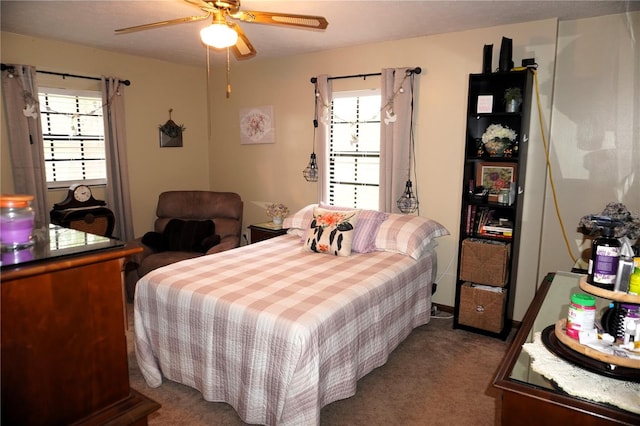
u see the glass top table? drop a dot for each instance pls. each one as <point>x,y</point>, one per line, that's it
<point>56,242</point>
<point>523,387</point>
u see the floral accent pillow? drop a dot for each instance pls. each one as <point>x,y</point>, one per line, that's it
<point>331,231</point>
<point>369,221</point>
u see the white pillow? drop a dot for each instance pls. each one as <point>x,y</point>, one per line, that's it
<point>408,234</point>
<point>300,220</point>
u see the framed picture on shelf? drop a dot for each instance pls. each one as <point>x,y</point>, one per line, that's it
<point>485,104</point>
<point>495,176</point>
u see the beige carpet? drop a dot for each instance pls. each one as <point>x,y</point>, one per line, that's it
<point>437,376</point>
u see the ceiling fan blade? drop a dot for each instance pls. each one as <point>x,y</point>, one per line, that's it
<point>162,24</point>
<point>243,48</point>
<point>286,19</point>
<point>207,7</point>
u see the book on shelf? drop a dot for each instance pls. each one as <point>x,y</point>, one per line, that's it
<point>471,214</point>
<point>483,216</point>
<point>485,224</point>
<point>498,228</point>
<point>481,221</point>
<point>491,231</point>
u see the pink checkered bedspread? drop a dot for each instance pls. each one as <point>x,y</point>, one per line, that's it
<point>274,331</point>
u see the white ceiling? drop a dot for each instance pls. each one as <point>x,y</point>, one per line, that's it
<point>92,23</point>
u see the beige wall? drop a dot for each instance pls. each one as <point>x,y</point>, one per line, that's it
<point>156,87</point>
<point>272,172</point>
<point>595,129</point>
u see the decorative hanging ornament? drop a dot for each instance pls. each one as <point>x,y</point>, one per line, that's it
<point>407,203</point>
<point>30,111</point>
<point>390,117</point>
<point>310,173</point>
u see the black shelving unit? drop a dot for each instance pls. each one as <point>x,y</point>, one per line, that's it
<point>488,262</point>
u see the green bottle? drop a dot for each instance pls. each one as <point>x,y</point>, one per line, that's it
<point>634,282</point>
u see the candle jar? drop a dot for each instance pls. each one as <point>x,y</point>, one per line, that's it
<point>16,222</point>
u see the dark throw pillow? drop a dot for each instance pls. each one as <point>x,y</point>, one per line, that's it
<point>154,240</point>
<point>209,242</point>
<point>187,235</point>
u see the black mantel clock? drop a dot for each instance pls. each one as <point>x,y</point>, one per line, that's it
<point>81,211</point>
<point>79,196</point>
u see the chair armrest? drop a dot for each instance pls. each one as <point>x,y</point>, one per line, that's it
<point>137,258</point>
<point>227,243</point>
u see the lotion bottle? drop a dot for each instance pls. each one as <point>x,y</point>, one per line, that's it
<point>605,252</point>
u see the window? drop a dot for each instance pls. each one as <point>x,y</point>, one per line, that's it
<point>354,149</point>
<point>73,133</point>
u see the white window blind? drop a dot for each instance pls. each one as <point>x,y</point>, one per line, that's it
<point>73,133</point>
<point>354,149</point>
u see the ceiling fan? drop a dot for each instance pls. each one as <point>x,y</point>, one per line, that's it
<point>225,33</point>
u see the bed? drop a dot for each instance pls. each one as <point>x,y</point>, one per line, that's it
<point>278,331</point>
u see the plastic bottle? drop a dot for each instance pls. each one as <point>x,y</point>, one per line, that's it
<point>605,252</point>
<point>582,314</point>
<point>634,282</point>
<point>630,324</point>
<point>625,266</point>
<point>625,311</point>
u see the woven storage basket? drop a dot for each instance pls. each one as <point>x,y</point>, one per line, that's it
<point>484,262</point>
<point>481,308</point>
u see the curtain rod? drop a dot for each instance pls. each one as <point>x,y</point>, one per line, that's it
<point>65,75</point>
<point>416,70</point>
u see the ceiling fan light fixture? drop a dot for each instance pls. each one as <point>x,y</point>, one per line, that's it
<point>219,35</point>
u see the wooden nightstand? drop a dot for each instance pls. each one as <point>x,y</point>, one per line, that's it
<point>264,231</point>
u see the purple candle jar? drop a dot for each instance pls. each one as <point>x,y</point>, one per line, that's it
<point>16,221</point>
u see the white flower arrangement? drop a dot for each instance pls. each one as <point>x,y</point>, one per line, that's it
<point>277,210</point>
<point>496,131</point>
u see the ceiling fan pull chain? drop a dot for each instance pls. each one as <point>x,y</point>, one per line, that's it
<point>228,75</point>
<point>208,94</point>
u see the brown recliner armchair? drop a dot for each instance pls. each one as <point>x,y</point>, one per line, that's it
<point>188,224</point>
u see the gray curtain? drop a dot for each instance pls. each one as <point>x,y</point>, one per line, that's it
<point>118,195</point>
<point>325,96</point>
<point>24,128</point>
<point>395,136</point>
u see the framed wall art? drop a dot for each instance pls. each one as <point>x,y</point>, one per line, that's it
<point>257,125</point>
<point>495,176</point>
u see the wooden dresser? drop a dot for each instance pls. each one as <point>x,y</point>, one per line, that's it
<point>63,343</point>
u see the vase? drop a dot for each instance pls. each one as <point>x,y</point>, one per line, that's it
<point>496,147</point>
<point>277,220</point>
<point>513,105</point>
